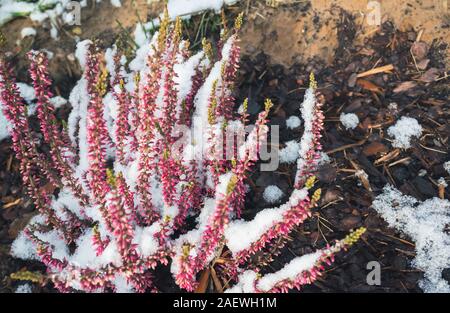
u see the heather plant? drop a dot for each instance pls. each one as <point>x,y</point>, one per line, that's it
<point>130,190</point>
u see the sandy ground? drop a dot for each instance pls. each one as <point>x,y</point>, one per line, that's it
<point>99,21</point>
<point>289,31</point>
<point>292,31</point>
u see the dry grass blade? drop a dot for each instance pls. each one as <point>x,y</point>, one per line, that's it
<point>13,203</point>
<point>368,85</point>
<point>388,157</point>
<point>356,144</point>
<point>382,69</point>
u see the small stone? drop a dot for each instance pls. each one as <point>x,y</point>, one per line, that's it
<point>419,50</point>
<point>352,80</point>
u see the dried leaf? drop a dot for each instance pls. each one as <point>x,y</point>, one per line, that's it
<point>375,148</point>
<point>368,85</point>
<point>217,283</point>
<point>13,203</point>
<point>404,86</point>
<point>204,281</point>
<point>430,76</point>
<point>382,69</point>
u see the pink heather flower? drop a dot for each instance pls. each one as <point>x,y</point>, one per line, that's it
<point>60,151</point>
<point>97,132</point>
<point>126,199</point>
<point>99,243</point>
<point>124,102</point>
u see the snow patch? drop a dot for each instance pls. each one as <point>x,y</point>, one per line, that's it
<point>289,154</point>
<point>272,194</point>
<point>28,31</point>
<point>447,166</point>
<point>289,271</point>
<point>25,288</point>
<point>188,7</point>
<point>425,223</point>
<point>349,120</point>
<point>403,131</point>
<point>293,122</point>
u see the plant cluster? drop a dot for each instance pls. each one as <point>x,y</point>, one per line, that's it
<point>125,196</point>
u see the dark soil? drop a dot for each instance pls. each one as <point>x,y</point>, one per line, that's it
<point>346,202</point>
<point>414,88</point>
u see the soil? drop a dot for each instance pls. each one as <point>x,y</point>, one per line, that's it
<point>283,41</point>
<point>293,31</point>
<point>346,202</point>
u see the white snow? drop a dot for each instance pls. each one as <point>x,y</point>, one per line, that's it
<point>122,285</point>
<point>289,154</point>
<point>272,194</point>
<point>403,131</point>
<point>58,101</point>
<point>141,30</point>
<point>425,223</point>
<point>143,238</point>
<point>9,8</point>
<point>23,248</point>
<point>85,254</point>
<point>349,120</point>
<point>28,31</point>
<point>40,11</point>
<point>245,283</point>
<point>289,271</point>
<point>442,182</point>
<point>116,3</point>
<point>200,116</point>
<point>247,280</point>
<point>4,124</point>
<point>187,7</point>
<point>293,122</point>
<point>447,166</point>
<point>24,288</point>
<point>324,158</point>
<point>183,78</point>
<point>54,33</point>
<point>306,143</point>
<point>241,234</point>
<point>28,94</point>
<point>81,51</point>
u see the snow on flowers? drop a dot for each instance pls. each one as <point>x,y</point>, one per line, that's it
<point>124,187</point>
